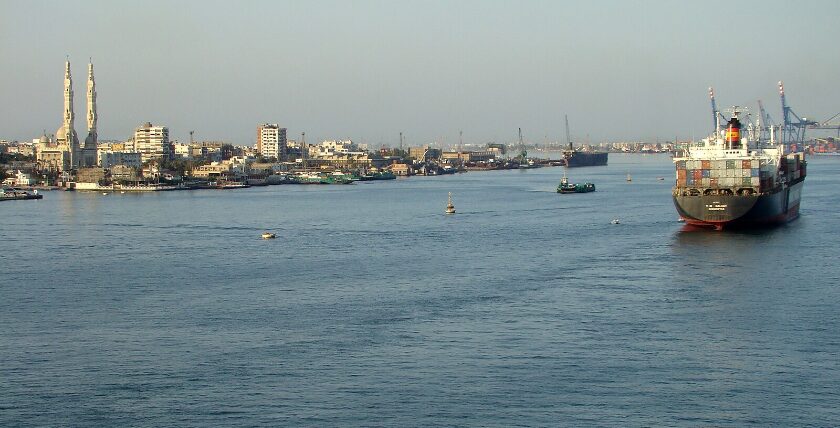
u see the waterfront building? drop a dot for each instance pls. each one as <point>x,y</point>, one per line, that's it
<point>329,148</point>
<point>423,153</point>
<point>90,175</point>
<point>124,173</point>
<point>400,169</point>
<point>181,150</point>
<point>271,141</point>
<point>152,142</point>
<point>20,178</point>
<point>109,158</point>
<point>215,170</point>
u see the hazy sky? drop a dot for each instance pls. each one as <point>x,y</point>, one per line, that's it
<point>366,70</point>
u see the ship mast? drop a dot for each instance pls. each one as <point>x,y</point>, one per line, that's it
<point>568,137</point>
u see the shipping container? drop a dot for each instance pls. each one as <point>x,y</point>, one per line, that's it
<point>746,164</point>
<point>681,174</point>
<point>680,165</point>
<point>706,164</point>
<point>713,182</point>
<point>746,181</point>
<point>745,172</point>
<point>754,172</point>
<point>706,173</point>
<point>730,164</point>
<point>754,181</point>
<point>704,182</point>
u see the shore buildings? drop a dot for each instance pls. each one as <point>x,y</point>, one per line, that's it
<point>152,142</point>
<point>271,141</point>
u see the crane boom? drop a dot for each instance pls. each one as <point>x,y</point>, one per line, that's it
<point>714,109</point>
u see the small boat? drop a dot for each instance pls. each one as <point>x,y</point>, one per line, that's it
<point>629,178</point>
<point>566,187</point>
<point>268,235</point>
<point>450,209</point>
<point>105,193</point>
<point>660,178</point>
<point>615,221</point>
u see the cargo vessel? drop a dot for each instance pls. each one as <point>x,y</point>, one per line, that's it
<point>742,177</point>
<point>576,158</point>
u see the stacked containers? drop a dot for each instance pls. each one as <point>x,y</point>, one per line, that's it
<point>730,173</point>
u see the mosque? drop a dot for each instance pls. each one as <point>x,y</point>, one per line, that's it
<point>66,153</point>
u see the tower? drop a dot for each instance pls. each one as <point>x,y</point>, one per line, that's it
<point>66,135</point>
<point>90,158</point>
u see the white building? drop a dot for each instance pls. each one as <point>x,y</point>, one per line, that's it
<point>152,142</point>
<point>333,147</point>
<point>271,141</point>
<point>181,150</point>
<point>20,179</point>
<point>107,159</point>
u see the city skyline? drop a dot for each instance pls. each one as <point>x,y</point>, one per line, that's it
<point>371,70</point>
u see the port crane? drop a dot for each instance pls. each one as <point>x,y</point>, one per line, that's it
<point>793,130</point>
<point>832,123</point>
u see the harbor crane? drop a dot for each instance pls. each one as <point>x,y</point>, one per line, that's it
<point>794,126</point>
<point>832,123</point>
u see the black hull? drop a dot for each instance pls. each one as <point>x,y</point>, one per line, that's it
<point>734,211</point>
<point>576,159</point>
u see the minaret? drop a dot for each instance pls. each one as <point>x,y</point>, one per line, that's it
<point>90,141</point>
<point>67,133</point>
<point>91,106</point>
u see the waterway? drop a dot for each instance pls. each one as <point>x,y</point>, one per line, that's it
<point>374,308</point>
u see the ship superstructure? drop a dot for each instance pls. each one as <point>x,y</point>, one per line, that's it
<point>742,176</point>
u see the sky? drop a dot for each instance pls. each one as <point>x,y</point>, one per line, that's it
<point>368,70</point>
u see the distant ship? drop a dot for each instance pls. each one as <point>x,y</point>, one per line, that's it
<point>576,158</point>
<point>734,179</point>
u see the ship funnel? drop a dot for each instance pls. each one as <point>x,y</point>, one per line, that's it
<point>733,134</point>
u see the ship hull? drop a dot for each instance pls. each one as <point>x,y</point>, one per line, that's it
<point>577,159</point>
<point>733,211</point>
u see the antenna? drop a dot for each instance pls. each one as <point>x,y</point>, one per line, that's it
<point>401,142</point>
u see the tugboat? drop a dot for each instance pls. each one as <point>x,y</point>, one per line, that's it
<point>566,187</point>
<point>731,180</point>
<point>450,209</point>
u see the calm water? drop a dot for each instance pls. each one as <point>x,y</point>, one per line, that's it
<point>373,308</point>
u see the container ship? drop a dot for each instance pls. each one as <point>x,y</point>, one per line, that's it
<point>741,177</point>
